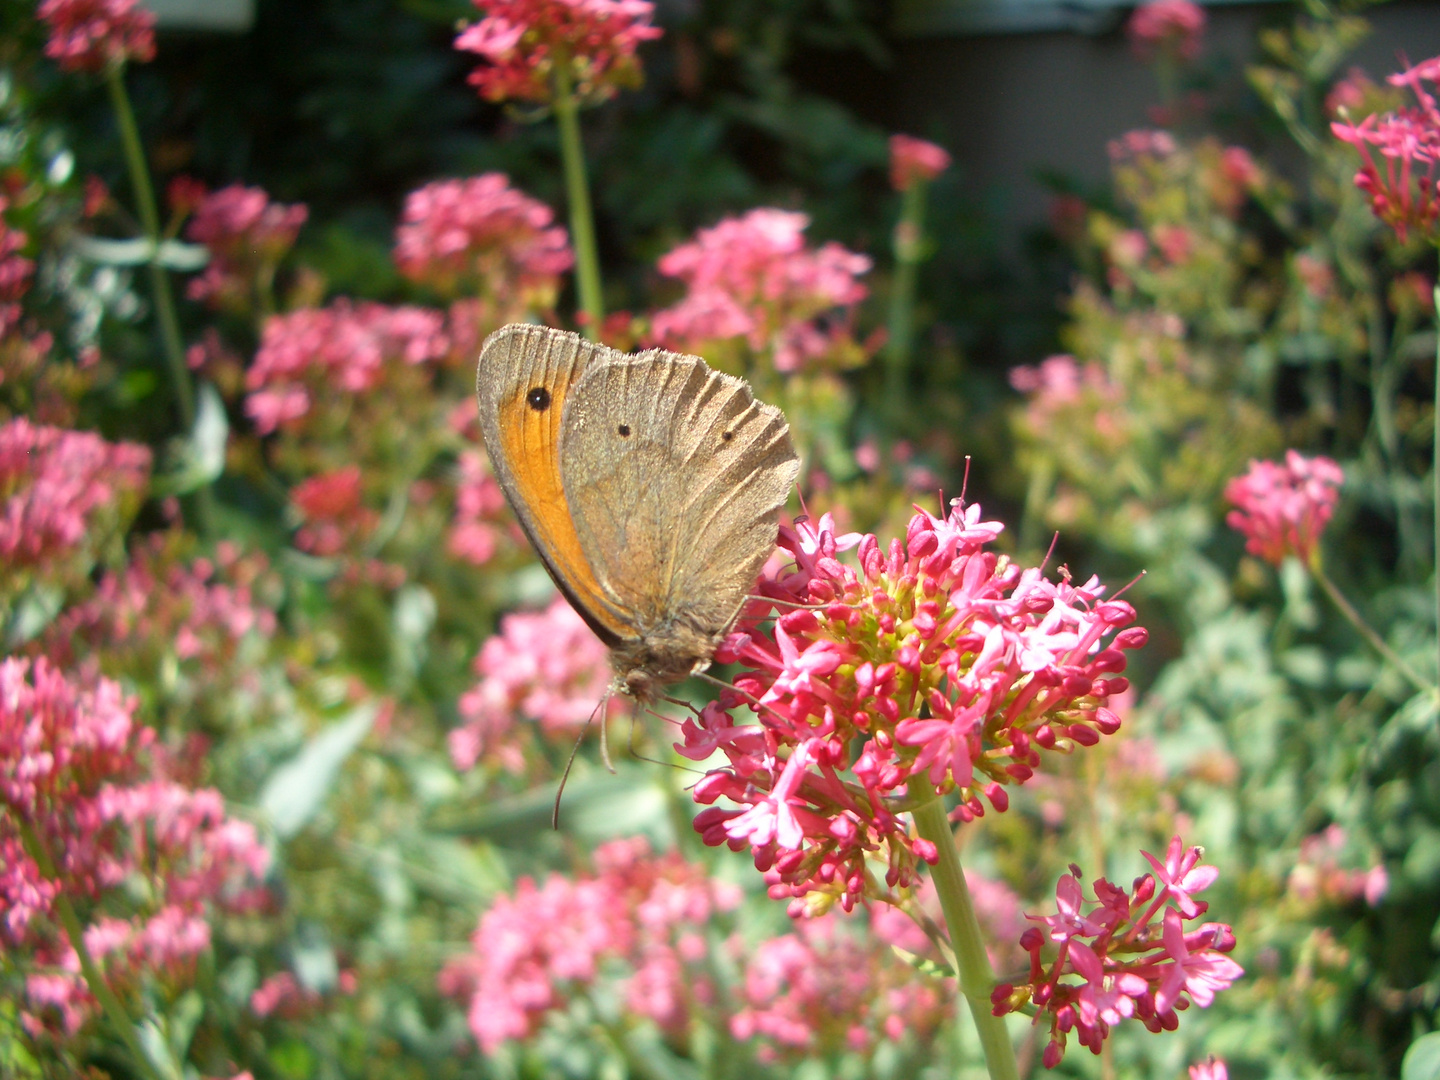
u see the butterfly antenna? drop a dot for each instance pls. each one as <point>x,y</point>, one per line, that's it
<point>676,701</point>
<point>570,761</point>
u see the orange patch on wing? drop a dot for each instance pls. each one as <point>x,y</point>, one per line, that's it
<point>531,445</point>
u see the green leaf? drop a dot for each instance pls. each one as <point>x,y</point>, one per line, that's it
<point>1422,1060</point>
<point>297,789</point>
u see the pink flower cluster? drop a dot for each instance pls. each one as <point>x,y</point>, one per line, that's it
<point>197,610</point>
<point>15,271</point>
<point>1283,509</point>
<point>91,35</point>
<point>546,665</point>
<point>1167,26</point>
<point>937,667</point>
<point>545,943</point>
<point>482,519</point>
<point>1141,143</point>
<point>481,235</point>
<point>826,987</point>
<point>82,818</point>
<point>522,41</point>
<point>1318,876</point>
<point>247,236</point>
<point>914,161</point>
<point>1059,383</point>
<point>57,486</point>
<point>1407,195</point>
<point>1125,969</point>
<point>752,277</point>
<point>341,349</point>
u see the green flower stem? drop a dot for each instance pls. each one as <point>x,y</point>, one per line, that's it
<point>974,976</point>
<point>582,220</point>
<point>150,222</point>
<point>1377,643</point>
<point>114,1011</point>
<point>909,236</point>
<point>1435,299</point>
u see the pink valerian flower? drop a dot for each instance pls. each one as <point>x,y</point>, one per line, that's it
<point>521,41</point>
<point>1212,1068</point>
<point>752,277</point>
<point>540,946</point>
<point>91,35</point>
<point>825,988</point>
<point>334,515</point>
<point>1317,876</point>
<point>73,780</point>
<point>1126,966</point>
<point>482,236</point>
<point>247,236</point>
<point>1060,385</point>
<point>915,161</point>
<point>482,523</point>
<point>1283,509</point>
<point>15,272</point>
<point>937,667</point>
<point>1407,194</point>
<point>1167,26</point>
<point>548,666</point>
<point>282,994</point>
<point>325,354</point>
<point>1141,143</point>
<point>60,490</point>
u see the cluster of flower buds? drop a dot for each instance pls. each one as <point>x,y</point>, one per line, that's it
<point>1129,956</point>
<point>937,667</point>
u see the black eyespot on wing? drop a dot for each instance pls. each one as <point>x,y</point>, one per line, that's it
<point>624,430</point>
<point>538,399</point>
<point>727,435</point>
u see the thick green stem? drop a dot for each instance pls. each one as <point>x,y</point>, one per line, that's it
<point>1379,644</point>
<point>975,978</point>
<point>909,236</point>
<point>114,1011</point>
<point>150,222</point>
<point>577,189</point>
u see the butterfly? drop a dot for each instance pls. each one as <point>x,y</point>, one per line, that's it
<point>650,486</point>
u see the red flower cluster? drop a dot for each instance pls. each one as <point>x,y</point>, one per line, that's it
<point>90,35</point>
<point>76,795</point>
<point>247,236</point>
<point>938,667</point>
<point>55,486</point>
<point>914,161</point>
<point>1125,967</point>
<point>1407,195</point>
<point>334,514</point>
<point>1283,509</point>
<point>752,277</point>
<point>546,943</point>
<point>522,41</point>
<point>1171,26</point>
<point>319,351</point>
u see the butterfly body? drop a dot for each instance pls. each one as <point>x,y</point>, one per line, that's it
<point>650,485</point>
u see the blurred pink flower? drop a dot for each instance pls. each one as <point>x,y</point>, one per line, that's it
<point>1407,195</point>
<point>56,486</point>
<point>1126,969</point>
<point>1318,876</point>
<point>1142,142</point>
<point>247,236</point>
<point>914,160</point>
<point>333,511</point>
<point>997,907</point>
<point>1211,1069</point>
<point>1172,26</point>
<point>753,277</point>
<point>537,947</point>
<point>547,666</point>
<point>522,40</point>
<point>934,667</point>
<point>342,349</point>
<point>73,779</point>
<point>482,522</point>
<point>90,35</point>
<point>15,272</point>
<point>483,237</point>
<point>1283,509</point>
